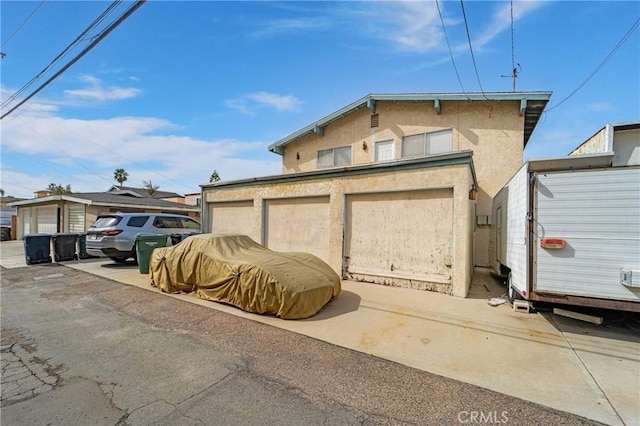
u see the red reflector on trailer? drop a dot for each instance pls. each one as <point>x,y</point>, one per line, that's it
<point>553,243</point>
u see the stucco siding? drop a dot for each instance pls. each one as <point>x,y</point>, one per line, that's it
<point>458,177</point>
<point>298,224</point>
<point>493,130</point>
<point>594,145</point>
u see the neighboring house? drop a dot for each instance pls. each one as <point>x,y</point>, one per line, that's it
<point>393,189</point>
<point>143,193</point>
<point>77,211</point>
<point>193,199</point>
<point>622,139</point>
<point>8,215</point>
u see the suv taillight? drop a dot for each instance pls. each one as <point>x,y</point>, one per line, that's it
<point>111,232</point>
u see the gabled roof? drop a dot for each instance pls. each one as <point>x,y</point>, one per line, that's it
<point>111,200</point>
<point>140,192</point>
<point>531,106</point>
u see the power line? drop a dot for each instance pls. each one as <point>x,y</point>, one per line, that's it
<point>444,29</point>
<point>475,67</point>
<point>110,151</point>
<point>86,50</point>
<point>65,153</point>
<point>23,24</point>
<point>64,53</point>
<point>601,65</point>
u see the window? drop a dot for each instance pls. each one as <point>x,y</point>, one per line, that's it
<point>334,157</point>
<point>166,222</point>
<point>138,222</point>
<point>190,224</point>
<point>427,143</point>
<point>384,151</point>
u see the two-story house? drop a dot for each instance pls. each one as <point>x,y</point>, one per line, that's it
<point>394,189</point>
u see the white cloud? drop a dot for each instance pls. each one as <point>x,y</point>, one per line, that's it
<point>600,107</point>
<point>502,19</point>
<point>84,153</point>
<point>279,102</point>
<point>279,27</point>
<point>97,92</point>
<point>248,103</point>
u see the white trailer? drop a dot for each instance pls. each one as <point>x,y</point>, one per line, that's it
<point>567,230</point>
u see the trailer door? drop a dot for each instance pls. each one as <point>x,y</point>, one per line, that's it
<point>595,214</point>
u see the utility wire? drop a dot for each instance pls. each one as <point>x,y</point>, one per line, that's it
<point>63,152</point>
<point>444,29</point>
<point>86,50</point>
<point>4,43</point>
<point>475,67</point>
<point>74,43</point>
<point>602,64</point>
<point>110,151</point>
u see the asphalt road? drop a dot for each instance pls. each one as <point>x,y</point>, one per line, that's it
<point>78,349</point>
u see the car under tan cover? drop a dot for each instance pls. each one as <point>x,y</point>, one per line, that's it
<point>236,270</point>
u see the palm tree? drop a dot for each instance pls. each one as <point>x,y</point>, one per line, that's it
<point>120,175</point>
<point>58,189</point>
<point>150,187</point>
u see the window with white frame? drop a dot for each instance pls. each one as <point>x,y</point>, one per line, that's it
<point>334,157</point>
<point>427,143</point>
<point>384,150</point>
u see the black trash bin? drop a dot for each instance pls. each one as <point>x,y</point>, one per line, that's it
<point>64,246</point>
<point>37,248</point>
<point>82,246</point>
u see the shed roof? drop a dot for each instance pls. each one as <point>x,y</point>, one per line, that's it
<point>141,192</point>
<point>109,199</point>
<point>531,106</point>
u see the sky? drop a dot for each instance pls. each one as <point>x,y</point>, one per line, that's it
<point>180,89</point>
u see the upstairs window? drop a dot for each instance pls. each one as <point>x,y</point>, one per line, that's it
<point>384,151</point>
<point>427,143</point>
<point>334,157</point>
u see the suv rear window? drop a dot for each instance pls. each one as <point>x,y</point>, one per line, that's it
<point>106,221</point>
<point>138,222</point>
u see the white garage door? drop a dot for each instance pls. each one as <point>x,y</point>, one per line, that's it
<point>399,236</point>
<point>237,217</point>
<point>26,220</point>
<point>75,218</point>
<point>47,219</point>
<point>298,224</point>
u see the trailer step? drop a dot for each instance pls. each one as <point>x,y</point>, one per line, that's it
<point>522,306</point>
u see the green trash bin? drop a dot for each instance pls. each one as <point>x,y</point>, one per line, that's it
<point>145,243</point>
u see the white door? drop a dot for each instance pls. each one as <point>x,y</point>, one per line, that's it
<point>75,220</point>
<point>26,221</point>
<point>47,219</point>
<point>384,151</point>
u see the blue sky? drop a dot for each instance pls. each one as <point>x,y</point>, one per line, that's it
<point>183,88</point>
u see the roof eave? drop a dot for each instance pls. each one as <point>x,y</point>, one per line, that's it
<point>533,102</point>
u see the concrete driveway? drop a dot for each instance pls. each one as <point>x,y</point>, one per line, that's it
<point>580,368</point>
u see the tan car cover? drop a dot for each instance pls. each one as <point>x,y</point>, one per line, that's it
<point>236,270</point>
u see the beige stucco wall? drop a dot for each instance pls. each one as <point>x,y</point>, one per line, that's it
<point>626,145</point>
<point>493,130</point>
<point>594,145</point>
<point>457,177</point>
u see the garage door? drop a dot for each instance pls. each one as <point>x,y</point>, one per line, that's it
<point>47,219</point>
<point>298,224</point>
<point>400,237</point>
<point>237,217</point>
<point>75,218</point>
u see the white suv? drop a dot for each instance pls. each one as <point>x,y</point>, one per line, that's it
<point>113,235</point>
